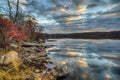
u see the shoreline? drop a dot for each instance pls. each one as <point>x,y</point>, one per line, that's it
<point>34,63</point>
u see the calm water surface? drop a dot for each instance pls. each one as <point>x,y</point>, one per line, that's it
<point>86,59</point>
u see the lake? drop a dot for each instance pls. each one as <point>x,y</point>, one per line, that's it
<point>86,59</point>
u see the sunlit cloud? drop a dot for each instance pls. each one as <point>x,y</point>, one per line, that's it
<point>73,18</point>
<point>60,9</point>
<point>110,15</point>
<point>81,9</point>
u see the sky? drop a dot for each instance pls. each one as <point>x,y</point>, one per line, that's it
<point>73,16</point>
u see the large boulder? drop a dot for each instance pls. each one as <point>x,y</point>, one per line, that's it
<point>10,57</point>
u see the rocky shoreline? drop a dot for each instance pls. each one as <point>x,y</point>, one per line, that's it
<point>32,56</point>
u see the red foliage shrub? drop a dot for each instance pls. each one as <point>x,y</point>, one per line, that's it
<point>10,32</point>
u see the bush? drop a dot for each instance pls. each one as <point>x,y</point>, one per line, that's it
<point>10,33</point>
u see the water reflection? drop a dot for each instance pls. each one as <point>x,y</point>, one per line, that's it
<point>87,59</point>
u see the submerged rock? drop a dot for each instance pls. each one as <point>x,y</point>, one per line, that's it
<point>97,68</point>
<point>59,73</point>
<point>116,70</point>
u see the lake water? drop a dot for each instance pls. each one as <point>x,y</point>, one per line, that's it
<point>86,59</point>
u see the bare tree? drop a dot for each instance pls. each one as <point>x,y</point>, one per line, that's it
<point>11,16</point>
<point>9,6</point>
<point>17,10</point>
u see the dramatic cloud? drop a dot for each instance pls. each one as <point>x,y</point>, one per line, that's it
<point>73,16</point>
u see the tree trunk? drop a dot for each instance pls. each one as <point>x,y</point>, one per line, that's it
<point>10,14</point>
<point>17,10</point>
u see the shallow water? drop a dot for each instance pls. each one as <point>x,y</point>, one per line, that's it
<point>86,59</point>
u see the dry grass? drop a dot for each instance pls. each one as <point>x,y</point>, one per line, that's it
<point>19,71</point>
<point>14,71</point>
<point>2,51</point>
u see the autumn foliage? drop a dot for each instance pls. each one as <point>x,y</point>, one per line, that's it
<point>10,33</point>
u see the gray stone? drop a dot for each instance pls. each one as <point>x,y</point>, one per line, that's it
<point>27,44</point>
<point>57,72</point>
<point>14,46</point>
<point>37,70</point>
<point>9,57</point>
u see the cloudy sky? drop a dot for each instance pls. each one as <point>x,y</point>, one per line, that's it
<point>74,16</point>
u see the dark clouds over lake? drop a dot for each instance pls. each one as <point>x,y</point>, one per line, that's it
<point>74,16</point>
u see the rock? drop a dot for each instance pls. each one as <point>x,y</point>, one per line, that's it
<point>37,70</point>
<point>59,73</point>
<point>14,46</point>
<point>36,75</point>
<point>116,70</point>
<point>48,46</point>
<point>38,50</point>
<point>97,68</point>
<point>50,66</point>
<point>40,40</point>
<point>27,44</point>
<point>9,57</point>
